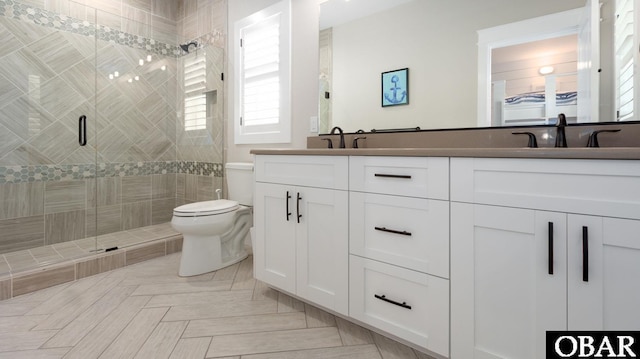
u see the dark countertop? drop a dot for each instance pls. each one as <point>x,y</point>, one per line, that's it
<point>612,153</point>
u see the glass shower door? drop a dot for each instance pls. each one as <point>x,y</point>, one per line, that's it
<point>136,130</point>
<point>47,136</point>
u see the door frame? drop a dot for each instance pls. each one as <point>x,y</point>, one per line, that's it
<point>539,28</point>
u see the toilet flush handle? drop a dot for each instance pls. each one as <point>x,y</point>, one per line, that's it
<point>219,193</point>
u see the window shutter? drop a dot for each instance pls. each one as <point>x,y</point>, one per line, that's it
<point>195,102</point>
<point>625,57</point>
<point>261,73</point>
<point>262,109</point>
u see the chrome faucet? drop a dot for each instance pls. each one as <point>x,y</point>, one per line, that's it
<point>561,139</point>
<point>333,132</point>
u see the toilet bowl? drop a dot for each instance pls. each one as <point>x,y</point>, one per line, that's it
<point>214,232</point>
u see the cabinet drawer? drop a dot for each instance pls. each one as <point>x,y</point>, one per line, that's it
<point>411,305</point>
<point>597,187</point>
<point>426,177</point>
<point>408,232</point>
<point>312,171</point>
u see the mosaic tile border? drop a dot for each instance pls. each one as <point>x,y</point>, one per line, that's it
<point>200,168</point>
<point>51,173</point>
<point>20,11</point>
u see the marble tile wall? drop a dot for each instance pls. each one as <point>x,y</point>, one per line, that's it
<point>325,110</point>
<point>138,17</point>
<point>202,19</point>
<point>139,163</point>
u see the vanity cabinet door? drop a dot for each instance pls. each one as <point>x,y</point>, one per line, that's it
<point>507,287</point>
<point>607,297</point>
<point>301,242</point>
<point>275,230</point>
<point>322,247</point>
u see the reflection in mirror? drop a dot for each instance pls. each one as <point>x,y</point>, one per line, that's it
<point>534,81</point>
<point>437,41</point>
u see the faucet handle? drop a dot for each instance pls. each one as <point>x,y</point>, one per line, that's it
<point>562,120</point>
<point>329,142</point>
<point>218,193</point>
<point>355,141</point>
<point>533,143</point>
<point>593,138</point>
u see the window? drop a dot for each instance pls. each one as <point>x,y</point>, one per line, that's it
<point>195,99</point>
<point>261,105</point>
<point>625,56</point>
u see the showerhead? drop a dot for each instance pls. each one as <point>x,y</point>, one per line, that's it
<point>185,47</point>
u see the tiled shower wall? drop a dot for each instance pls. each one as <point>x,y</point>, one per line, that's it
<point>51,189</point>
<point>325,110</point>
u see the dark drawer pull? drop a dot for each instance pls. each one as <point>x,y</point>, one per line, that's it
<point>392,176</point>
<point>384,298</point>
<point>404,233</point>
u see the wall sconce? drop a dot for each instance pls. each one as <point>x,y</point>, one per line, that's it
<point>546,70</point>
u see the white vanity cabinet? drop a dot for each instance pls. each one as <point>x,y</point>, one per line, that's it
<point>301,227</point>
<point>399,247</point>
<point>541,245</point>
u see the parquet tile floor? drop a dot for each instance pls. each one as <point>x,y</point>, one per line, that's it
<point>146,311</point>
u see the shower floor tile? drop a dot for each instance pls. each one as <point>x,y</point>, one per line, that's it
<point>13,262</point>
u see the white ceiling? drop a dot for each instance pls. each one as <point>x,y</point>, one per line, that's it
<point>336,12</point>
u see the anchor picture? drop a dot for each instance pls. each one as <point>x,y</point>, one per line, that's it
<point>395,87</point>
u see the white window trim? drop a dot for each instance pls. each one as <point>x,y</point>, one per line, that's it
<point>282,132</point>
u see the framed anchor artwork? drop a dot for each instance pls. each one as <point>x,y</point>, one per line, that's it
<point>395,87</point>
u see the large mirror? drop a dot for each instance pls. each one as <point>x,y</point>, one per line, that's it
<point>438,41</point>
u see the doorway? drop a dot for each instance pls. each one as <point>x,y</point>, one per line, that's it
<point>570,24</point>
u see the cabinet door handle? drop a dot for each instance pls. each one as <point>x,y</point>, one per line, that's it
<point>551,248</point>
<point>298,207</point>
<point>383,229</point>
<point>585,254</point>
<point>288,213</point>
<point>384,298</point>
<point>392,176</point>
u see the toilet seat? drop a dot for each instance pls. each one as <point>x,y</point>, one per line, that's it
<point>206,208</point>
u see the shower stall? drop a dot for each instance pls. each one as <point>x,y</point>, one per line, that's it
<point>95,146</point>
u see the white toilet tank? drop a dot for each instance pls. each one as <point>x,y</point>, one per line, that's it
<point>240,182</point>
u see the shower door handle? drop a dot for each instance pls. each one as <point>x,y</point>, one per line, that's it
<point>82,130</point>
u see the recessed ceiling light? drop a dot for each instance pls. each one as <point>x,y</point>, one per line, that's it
<point>545,70</point>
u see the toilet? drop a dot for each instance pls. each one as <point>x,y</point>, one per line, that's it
<point>214,232</point>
